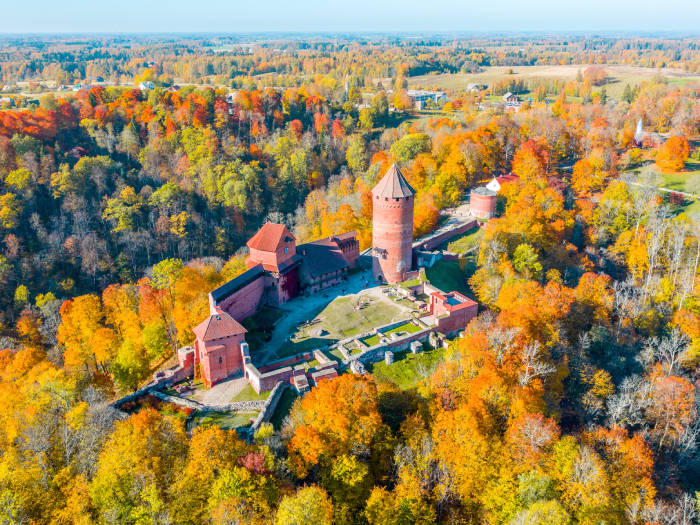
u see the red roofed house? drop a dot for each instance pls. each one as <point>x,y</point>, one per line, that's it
<point>452,311</point>
<point>274,247</point>
<point>218,347</point>
<point>497,182</point>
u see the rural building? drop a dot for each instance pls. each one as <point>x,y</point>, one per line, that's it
<point>452,311</point>
<point>217,347</point>
<point>419,97</point>
<point>497,182</point>
<point>510,99</point>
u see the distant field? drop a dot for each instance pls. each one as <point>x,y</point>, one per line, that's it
<point>618,76</point>
<point>675,180</point>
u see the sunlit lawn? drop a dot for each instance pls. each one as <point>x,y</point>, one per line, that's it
<point>248,394</point>
<point>408,369</point>
<point>467,242</point>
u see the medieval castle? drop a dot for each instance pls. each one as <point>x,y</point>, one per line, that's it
<point>278,270</point>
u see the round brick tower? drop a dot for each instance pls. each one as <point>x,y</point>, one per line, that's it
<point>392,227</point>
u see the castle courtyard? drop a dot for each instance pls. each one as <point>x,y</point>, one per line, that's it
<point>350,308</point>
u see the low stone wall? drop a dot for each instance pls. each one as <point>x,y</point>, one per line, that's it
<point>287,361</point>
<point>270,405</point>
<point>195,405</point>
<point>376,352</point>
<point>148,389</point>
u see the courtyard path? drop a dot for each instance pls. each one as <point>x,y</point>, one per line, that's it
<point>221,393</point>
<point>300,309</point>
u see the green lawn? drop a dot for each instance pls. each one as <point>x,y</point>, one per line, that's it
<point>467,242</point>
<point>248,394</point>
<point>409,327</point>
<point>408,369</point>
<point>341,320</point>
<point>676,180</point>
<point>448,276</point>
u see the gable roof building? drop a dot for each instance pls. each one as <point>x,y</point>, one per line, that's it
<point>269,237</point>
<point>218,326</point>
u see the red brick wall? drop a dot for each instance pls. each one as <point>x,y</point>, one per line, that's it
<point>272,258</point>
<point>351,251</point>
<point>245,301</point>
<point>392,233</point>
<point>219,359</point>
<point>457,320</point>
<point>482,206</point>
<point>436,241</point>
<point>287,286</point>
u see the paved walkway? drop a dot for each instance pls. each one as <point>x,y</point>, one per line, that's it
<point>667,190</point>
<point>221,393</point>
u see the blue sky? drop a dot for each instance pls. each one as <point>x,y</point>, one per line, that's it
<point>95,16</point>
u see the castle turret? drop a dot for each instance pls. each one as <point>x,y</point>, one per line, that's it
<point>392,227</point>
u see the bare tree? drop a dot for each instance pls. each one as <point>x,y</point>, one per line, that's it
<point>501,341</point>
<point>681,512</point>
<point>670,351</point>
<point>533,364</point>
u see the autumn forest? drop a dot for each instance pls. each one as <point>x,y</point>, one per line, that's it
<point>134,169</point>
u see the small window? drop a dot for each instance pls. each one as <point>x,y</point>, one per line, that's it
<point>286,249</point>
<point>221,359</point>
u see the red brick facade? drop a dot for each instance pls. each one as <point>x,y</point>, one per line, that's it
<point>217,347</point>
<point>482,203</point>
<point>452,311</point>
<point>392,227</point>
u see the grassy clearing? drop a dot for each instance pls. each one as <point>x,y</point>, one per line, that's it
<point>408,369</point>
<point>675,180</point>
<point>409,327</point>
<point>340,320</point>
<point>467,242</point>
<point>248,394</point>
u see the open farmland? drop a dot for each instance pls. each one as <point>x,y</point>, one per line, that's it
<point>618,76</point>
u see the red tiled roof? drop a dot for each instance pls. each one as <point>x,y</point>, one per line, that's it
<point>510,177</point>
<point>218,326</point>
<point>269,237</point>
<point>461,300</point>
<point>393,185</point>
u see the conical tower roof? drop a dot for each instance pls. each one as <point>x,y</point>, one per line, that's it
<point>393,185</point>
